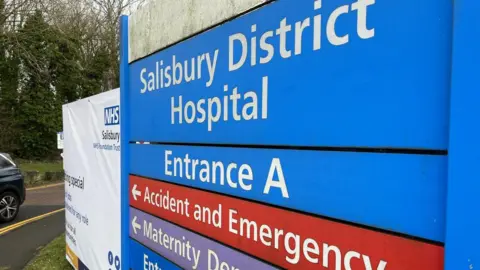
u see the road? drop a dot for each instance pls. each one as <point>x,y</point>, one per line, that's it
<point>19,246</point>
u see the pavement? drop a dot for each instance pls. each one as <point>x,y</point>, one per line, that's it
<point>19,243</point>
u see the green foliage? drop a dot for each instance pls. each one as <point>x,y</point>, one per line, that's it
<point>94,74</point>
<point>41,68</point>
<point>37,115</point>
<point>9,70</point>
<point>9,80</point>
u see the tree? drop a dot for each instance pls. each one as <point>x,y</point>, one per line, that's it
<point>9,76</point>
<point>38,116</point>
<point>53,52</point>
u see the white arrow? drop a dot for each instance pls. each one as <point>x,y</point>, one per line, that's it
<point>135,192</point>
<point>135,225</point>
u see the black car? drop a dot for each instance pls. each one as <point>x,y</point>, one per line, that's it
<point>12,188</point>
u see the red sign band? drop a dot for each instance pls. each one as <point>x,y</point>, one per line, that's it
<point>284,238</point>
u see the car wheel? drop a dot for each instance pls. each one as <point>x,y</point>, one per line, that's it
<point>9,205</point>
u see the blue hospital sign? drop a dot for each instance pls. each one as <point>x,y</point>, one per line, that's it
<point>298,135</point>
<point>304,73</point>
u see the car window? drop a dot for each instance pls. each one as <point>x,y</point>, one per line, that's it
<point>4,163</point>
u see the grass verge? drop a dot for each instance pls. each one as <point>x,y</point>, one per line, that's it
<point>38,173</point>
<point>51,257</point>
<point>40,184</point>
<point>41,167</point>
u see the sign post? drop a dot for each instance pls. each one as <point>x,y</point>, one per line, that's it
<point>60,140</point>
<point>124,138</point>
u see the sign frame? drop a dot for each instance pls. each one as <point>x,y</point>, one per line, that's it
<point>462,226</point>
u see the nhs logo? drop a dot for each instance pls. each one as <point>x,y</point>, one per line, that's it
<point>111,115</point>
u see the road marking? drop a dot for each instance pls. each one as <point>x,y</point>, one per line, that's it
<point>30,220</point>
<point>46,186</point>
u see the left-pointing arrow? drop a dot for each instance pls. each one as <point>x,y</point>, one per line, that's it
<point>135,192</point>
<point>135,225</point>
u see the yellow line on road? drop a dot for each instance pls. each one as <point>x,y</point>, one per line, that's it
<point>46,186</point>
<point>30,220</point>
